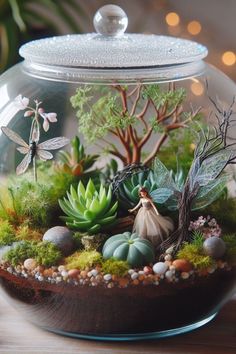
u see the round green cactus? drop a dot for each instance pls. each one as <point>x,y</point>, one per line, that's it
<point>87,209</point>
<point>128,191</point>
<point>129,247</point>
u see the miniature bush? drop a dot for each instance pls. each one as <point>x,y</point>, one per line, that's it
<point>45,253</point>
<point>84,259</point>
<point>230,241</point>
<point>116,267</point>
<point>25,233</point>
<point>7,233</point>
<point>193,253</point>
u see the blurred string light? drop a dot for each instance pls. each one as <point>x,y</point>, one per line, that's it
<point>194,27</point>
<point>228,58</point>
<point>172,19</point>
<point>197,87</point>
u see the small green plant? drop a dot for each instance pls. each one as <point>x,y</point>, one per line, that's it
<point>7,233</point>
<point>230,241</point>
<point>87,209</point>
<point>45,253</point>
<point>197,238</point>
<point>193,253</point>
<point>115,267</point>
<point>84,259</point>
<point>75,162</point>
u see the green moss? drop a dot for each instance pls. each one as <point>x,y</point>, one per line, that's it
<point>7,233</point>
<point>224,211</point>
<point>197,239</point>
<point>194,254</point>
<point>84,259</point>
<point>19,254</point>
<point>230,241</point>
<point>113,266</point>
<point>45,253</point>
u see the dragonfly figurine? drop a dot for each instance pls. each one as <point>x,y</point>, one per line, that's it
<point>33,149</point>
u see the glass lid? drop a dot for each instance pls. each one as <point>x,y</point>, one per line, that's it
<point>110,48</point>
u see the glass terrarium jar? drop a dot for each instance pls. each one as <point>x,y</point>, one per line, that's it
<point>117,203</point>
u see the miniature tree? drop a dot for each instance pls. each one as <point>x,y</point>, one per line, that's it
<point>205,181</point>
<point>131,117</point>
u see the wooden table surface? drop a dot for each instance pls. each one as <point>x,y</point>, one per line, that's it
<point>19,336</point>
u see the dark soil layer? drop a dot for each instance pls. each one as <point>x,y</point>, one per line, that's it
<point>135,309</point>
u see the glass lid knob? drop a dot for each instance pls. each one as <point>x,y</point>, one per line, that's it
<point>110,20</point>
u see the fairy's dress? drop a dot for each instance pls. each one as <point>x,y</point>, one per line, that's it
<point>150,225</point>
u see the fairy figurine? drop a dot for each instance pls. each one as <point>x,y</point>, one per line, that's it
<point>148,223</point>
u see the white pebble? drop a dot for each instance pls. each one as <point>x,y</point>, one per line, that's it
<point>94,272</point>
<point>89,274</point>
<point>134,275</point>
<point>160,268</point>
<point>40,278</point>
<point>170,250</point>
<point>141,272</point>
<point>58,279</point>
<point>9,269</point>
<point>107,277</point>
<point>184,275</point>
<point>61,268</point>
<point>130,271</point>
<point>64,273</point>
<point>168,257</point>
<point>169,274</point>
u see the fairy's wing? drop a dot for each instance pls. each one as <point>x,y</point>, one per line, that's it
<point>23,150</point>
<point>44,155</point>
<point>53,144</point>
<point>14,136</point>
<point>22,167</point>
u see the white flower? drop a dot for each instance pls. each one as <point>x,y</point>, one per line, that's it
<point>48,118</point>
<point>21,102</point>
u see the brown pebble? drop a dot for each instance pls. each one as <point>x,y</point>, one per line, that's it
<point>141,277</point>
<point>123,282</point>
<point>135,282</point>
<point>48,272</point>
<point>182,265</point>
<point>73,273</point>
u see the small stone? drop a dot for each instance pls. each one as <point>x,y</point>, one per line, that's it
<point>90,274</point>
<point>170,250</point>
<point>58,279</point>
<point>94,272</point>
<point>107,277</point>
<point>184,275</point>
<point>110,285</point>
<point>40,278</point>
<point>47,272</point>
<point>64,274</point>
<point>61,268</point>
<point>123,282</point>
<point>61,237</point>
<point>160,268</point>
<point>131,271</point>
<point>182,265</point>
<point>147,270</point>
<point>30,264</point>
<point>141,272</point>
<point>214,247</point>
<point>83,274</point>
<point>134,275</point>
<point>168,257</point>
<point>169,275</point>
<point>135,282</point>
<point>73,273</point>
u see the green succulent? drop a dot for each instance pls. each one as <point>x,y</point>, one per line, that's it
<point>128,191</point>
<point>75,162</point>
<point>88,209</point>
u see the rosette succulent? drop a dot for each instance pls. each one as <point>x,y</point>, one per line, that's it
<point>89,209</point>
<point>128,191</point>
<point>75,162</point>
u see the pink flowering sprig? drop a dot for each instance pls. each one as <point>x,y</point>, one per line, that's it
<point>22,103</point>
<point>207,226</point>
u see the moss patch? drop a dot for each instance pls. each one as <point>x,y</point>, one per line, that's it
<point>193,253</point>
<point>7,233</point>
<point>84,259</point>
<point>113,266</point>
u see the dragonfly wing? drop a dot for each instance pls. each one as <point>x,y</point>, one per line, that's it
<point>23,150</point>
<point>53,144</point>
<point>44,155</point>
<point>14,136</point>
<point>22,167</point>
